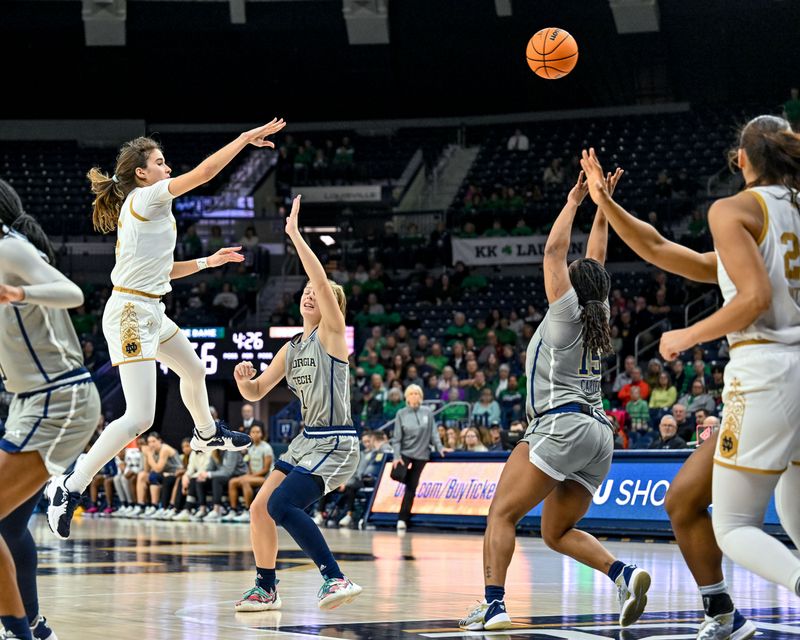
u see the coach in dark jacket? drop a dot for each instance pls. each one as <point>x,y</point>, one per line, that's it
<point>669,438</point>
<point>415,433</point>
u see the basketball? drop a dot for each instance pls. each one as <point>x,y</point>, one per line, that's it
<point>552,53</point>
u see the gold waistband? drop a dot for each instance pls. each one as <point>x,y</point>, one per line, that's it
<point>745,343</point>
<point>134,292</point>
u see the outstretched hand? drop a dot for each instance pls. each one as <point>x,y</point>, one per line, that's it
<point>244,371</point>
<point>225,255</point>
<point>579,191</point>
<point>612,179</point>
<point>598,189</point>
<point>292,228</point>
<point>257,137</point>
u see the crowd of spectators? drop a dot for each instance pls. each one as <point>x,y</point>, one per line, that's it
<point>324,163</point>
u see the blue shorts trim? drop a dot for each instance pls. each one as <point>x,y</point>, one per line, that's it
<point>284,467</point>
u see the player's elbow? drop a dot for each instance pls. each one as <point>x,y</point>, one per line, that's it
<point>759,300</point>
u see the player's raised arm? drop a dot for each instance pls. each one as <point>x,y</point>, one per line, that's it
<point>735,223</point>
<point>216,162</point>
<point>641,237</point>
<point>255,389</point>
<point>597,245</point>
<point>332,316</point>
<point>556,275</point>
<point>43,285</point>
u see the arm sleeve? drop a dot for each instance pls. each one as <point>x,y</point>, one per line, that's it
<point>43,285</point>
<point>436,441</point>
<point>153,202</point>
<point>397,434</point>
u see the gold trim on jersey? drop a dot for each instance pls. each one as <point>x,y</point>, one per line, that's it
<point>796,462</point>
<point>130,340</point>
<point>744,343</point>
<point>136,215</point>
<point>117,364</point>
<point>134,292</point>
<point>171,337</point>
<point>763,204</point>
<point>764,472</point>
<point>731,430</point>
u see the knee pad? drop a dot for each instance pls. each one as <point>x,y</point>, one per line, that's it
<point>278,505</point>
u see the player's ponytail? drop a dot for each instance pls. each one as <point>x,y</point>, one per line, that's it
<point>592,284</point>
<point>773,150</point>
<point>14,217</point>
<point>110,191</point>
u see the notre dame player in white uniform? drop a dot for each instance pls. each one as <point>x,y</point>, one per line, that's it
<point>566,451</point>
<point>137,201</point>
<point>758,448</point>
<point>324,455</point>
<point>55,406</point>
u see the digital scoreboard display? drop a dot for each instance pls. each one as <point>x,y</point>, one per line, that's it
<point>221,349</point>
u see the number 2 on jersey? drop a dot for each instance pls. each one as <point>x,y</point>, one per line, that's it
<point>590,364</point>
<point>792,272</point>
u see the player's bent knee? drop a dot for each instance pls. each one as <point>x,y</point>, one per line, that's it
<point>277,507</point>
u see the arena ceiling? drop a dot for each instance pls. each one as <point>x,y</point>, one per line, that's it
<point>187,61</point>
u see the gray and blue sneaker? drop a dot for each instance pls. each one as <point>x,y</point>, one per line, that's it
<point>487,616</point>
<point>726,626</point>
<point>632,586</point>
<point>223,439</point>
<point>41,631</point>
<point>61,505</point>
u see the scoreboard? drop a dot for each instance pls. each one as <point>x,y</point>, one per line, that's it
<point>221,349</point>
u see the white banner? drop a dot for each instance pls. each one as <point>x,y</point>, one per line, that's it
<point>333,193</point>
<point>510,250</point>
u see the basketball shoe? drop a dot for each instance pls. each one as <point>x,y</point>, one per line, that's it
<point>257,599</point>
<point>632,585</point>
<point>487,616</point>
<point>223,439</point>
<point>335,592</point>
<point>61,505</point>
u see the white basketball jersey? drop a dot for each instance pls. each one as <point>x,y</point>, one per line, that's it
<point>780,249</point>
<point>146,237</point>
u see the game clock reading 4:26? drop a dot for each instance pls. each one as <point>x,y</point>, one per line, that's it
<point>221,349</point>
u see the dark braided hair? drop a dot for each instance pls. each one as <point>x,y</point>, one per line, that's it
<point>13,216</point>
<point>592,284</point>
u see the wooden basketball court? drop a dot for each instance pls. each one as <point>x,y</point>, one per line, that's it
<point>150,580</point>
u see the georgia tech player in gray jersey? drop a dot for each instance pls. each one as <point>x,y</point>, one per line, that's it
<point>324,455</point>
<point>55,406</point>
<point>321,382</point>
<point>566,451</point>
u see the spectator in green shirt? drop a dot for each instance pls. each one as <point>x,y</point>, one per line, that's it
<point>372,366</point>
<point>638,411</point>
<point>496,230</point>
<point>83,321</point>
<point>459,330</point>
<point>454,414</point>
<point>394,402</point>
<point>506,335</point>
<point>791,108</point>
<point>436,359</point>
<point>521,229</point>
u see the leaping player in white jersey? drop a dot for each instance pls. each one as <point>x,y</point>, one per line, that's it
<point>55,407</point>
<point>567,449</point>
<point>324,455</point>
<point>137,201</point>
<point>757,452</point>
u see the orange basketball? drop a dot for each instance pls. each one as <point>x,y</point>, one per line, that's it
<point>552,53</point>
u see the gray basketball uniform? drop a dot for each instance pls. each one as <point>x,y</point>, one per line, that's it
<point>56,405</point>
<point>569,435</point>
<point>328,445</point>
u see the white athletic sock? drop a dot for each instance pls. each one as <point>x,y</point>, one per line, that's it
<point>714,589</point>
<point>178,354</point>
<point>740,501</point>
<point>139,386</point>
